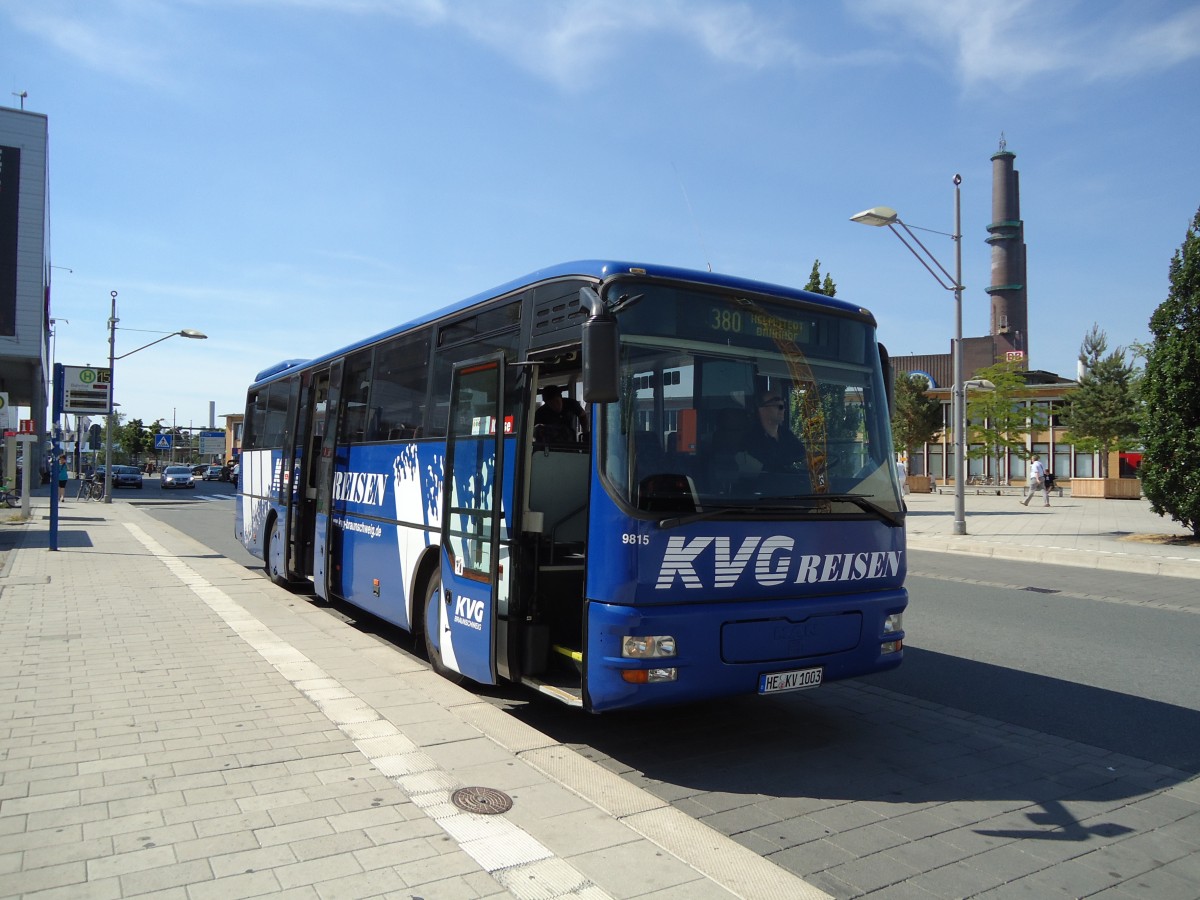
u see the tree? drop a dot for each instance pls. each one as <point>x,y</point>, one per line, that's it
<point>1102,414</point>
<point>117,418</point>
<point>1170,392</point>
<point>133,438</point>
<point>916,417</point>
<point>816,285</point>
<point>997,419</point>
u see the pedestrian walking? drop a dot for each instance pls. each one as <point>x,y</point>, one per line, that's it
<point>1037,481</point>
<point>63,474</point>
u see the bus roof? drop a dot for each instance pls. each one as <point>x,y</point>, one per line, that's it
<point>599,269</point>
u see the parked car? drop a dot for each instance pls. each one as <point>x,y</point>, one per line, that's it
<point>178,477</point>
<point>212,473</point>
<point>199,470</point>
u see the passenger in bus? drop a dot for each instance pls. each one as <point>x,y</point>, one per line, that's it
<point>554,421</point>
<point>769,441</point>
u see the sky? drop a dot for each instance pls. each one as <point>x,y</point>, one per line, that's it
<point>289,176</point>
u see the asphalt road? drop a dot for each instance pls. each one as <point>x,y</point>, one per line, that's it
<point>1067,652</point>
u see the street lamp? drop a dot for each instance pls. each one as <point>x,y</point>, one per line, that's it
<point>112,406</point>
<point>882,215</point>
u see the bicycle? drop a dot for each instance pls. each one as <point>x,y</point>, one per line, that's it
<point>90,489</point>
<point>9,497</point>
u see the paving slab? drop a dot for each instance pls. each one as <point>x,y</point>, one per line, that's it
<point>193,730</point>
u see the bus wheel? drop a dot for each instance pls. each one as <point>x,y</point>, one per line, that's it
<point>432,625</point>
<point>273,554</point>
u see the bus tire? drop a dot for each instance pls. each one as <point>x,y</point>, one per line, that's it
<point>273,562</point>
<point>431,624</point>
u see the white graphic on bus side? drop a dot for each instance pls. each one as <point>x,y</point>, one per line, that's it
<point>774,563</point>
<point>359,487</point>
<point>418,496</point>
<point>468,612</point>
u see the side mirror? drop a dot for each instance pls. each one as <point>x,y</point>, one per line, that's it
<point>601,350</point>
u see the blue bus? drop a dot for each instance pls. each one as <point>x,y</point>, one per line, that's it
<point>643,551</point>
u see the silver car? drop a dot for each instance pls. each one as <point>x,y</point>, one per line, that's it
<point>178,477</point>
<point>127,476</point>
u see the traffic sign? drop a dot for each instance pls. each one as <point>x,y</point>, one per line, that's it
<point>212,443</point>
<point>163,441</point>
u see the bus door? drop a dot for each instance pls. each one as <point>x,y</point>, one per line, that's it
<point>281,562</point>
<point>305,450</point>
<point>325,432</point>
<point>465,626</point>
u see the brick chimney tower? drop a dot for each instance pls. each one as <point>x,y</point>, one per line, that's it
<point>1006,234</point>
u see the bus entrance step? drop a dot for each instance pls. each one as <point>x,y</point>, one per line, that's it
<point>570,694</point>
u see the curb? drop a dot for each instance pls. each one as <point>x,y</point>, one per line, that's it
<point>1174,567</point>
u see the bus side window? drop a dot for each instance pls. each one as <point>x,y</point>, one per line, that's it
<point>399,382</point>
<point>356,384</point>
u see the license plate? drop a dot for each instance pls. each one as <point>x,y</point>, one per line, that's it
<point>795,680</point>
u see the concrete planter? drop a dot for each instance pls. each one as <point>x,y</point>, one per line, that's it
<point>1107,488</point>
<point>920,484</point>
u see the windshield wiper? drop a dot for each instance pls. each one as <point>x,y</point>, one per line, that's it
<point>624,302</point>
<point>676,521</point>
<point>800,503</point>
<point>895,520</point>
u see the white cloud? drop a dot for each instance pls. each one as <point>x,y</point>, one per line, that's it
<point>129,39</point>
<point>1161,45</point>
<point>566,43</point>
<point>570,42</point>
<point>1021,40</point>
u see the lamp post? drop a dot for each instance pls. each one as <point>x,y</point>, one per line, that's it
<point>112,406</point>
<point>882,215</point>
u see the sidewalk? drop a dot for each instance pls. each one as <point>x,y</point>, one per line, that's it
<point>1121,535</point>
<point>172,723</point>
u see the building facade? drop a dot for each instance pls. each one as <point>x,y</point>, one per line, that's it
<point>1044,396</point>
<point>24,263</point>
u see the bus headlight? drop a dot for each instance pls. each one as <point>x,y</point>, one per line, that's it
<point>893,623</point>
<point>654,646</point>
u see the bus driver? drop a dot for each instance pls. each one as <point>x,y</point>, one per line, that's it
<point>554,421</point>
<point>769,442</point>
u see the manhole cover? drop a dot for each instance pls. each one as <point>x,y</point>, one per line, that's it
<point>487,801</point>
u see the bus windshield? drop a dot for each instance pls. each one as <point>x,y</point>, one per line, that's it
<point>743,406</point>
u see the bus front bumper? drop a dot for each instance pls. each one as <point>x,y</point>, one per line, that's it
<point>725,649</point>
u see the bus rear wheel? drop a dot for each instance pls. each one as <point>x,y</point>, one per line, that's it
<point>431,625</point>
<point>273,554</point>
